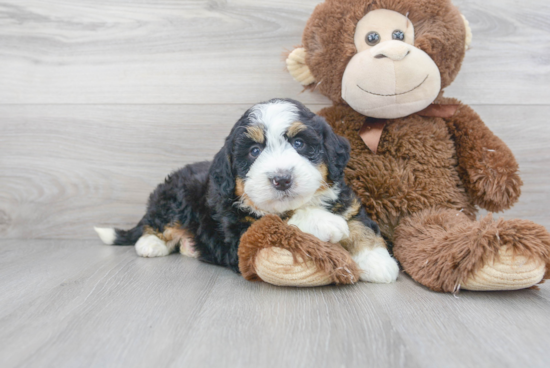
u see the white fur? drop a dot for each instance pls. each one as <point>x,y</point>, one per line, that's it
<point>377,265</point>
<point>106,234</point>
<point>276,117</point>
<point>279,157</point>
<point>306,179</point>
<point>187,247</point>
<point>319,222</point>
<point>323,198</point>
<point>151,246</point>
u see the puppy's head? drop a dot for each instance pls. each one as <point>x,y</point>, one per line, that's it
<point>279,157</point>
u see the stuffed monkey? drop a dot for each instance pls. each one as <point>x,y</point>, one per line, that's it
<point>421,163</point>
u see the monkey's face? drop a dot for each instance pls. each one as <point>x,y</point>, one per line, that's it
<point>389,77</point>
<point>384,58</point>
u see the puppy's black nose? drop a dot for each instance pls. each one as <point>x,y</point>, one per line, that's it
<point>282,182</point>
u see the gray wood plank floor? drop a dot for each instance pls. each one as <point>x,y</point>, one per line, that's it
<point>66,303</point>
<point>100,99</point>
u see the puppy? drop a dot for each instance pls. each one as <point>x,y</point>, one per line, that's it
<point>280,158</point>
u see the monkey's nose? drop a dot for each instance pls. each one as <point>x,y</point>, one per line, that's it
<point>394,50</point>
<point>281,182</point>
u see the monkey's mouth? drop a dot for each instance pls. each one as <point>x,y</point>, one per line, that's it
<point>395,94</point>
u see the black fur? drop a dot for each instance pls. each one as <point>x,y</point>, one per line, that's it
<point>201,197</point>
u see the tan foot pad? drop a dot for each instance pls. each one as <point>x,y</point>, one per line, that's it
<point>509,272</point>
<point>276,266</point>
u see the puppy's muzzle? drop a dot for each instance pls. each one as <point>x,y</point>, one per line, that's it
<point>281,181</point>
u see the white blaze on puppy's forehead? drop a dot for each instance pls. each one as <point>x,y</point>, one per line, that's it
<point>277,117</point>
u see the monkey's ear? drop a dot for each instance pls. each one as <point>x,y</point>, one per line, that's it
<point>296,65</point>
<point>469,35</point>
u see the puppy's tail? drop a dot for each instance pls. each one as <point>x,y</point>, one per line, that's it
<point>111,236</point>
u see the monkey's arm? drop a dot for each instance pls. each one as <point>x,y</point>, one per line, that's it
<point>280,254</point>
<point>486,165</point>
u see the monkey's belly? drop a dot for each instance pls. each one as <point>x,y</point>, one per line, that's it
<point>393,187</point>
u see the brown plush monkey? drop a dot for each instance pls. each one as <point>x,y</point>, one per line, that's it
<point>421,163</point>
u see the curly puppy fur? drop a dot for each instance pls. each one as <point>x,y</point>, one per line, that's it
<point>205,208</point>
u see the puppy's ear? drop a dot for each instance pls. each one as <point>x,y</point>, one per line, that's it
<point>337,151</point>
<point>222,179</point>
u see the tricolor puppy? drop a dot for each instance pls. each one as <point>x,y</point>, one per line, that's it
<point>279,158</point>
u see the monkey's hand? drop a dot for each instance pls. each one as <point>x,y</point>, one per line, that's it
<point>272,251</point>
<point>494,186</point>
<point>486,165</point>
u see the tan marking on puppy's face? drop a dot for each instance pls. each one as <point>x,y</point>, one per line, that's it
<point>324,173</point>
<point>352,210</point>
<point>256,133</point>
<point>239,192</point>
<point>239,187</point>
<point>295,128</point>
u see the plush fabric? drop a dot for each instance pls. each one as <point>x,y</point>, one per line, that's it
<point>432,168</point>
<point>318,263</point>
<point>445,250</point>
<point>329,43</point>
<point>390,78</point>
<point>424,181</point>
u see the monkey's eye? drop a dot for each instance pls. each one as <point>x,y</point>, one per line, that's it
<point>372,38</point>
<point>398,35</point>
<point>255,152</point>
<point>298,144</point>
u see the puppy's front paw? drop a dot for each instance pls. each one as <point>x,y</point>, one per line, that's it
<point>377,266</point>
<point>324,225</point>
<point>151,246</point>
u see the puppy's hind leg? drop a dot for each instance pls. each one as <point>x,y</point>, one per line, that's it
<point>156,244</point>
<point>151,245</point>
<point>176,236</point>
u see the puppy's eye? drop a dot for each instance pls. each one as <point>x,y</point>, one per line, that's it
<point>372,38</point>
<point>398,35</point>
<point>298,144</point>
<point>255,151</point>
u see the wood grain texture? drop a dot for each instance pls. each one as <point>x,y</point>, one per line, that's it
<point>70,303</point>
<point>64,169</point>
<point>215,51</point>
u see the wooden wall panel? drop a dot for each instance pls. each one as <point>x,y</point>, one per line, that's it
<point>64,169</point>
<point>197,52</point>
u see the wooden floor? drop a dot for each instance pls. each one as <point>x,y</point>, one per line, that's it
<point>100,99</point>
<point>68,303</point>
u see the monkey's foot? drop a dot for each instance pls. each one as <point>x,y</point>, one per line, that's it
<point>507,272</point>
<point>447,251</point>
<point>276,266</point>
